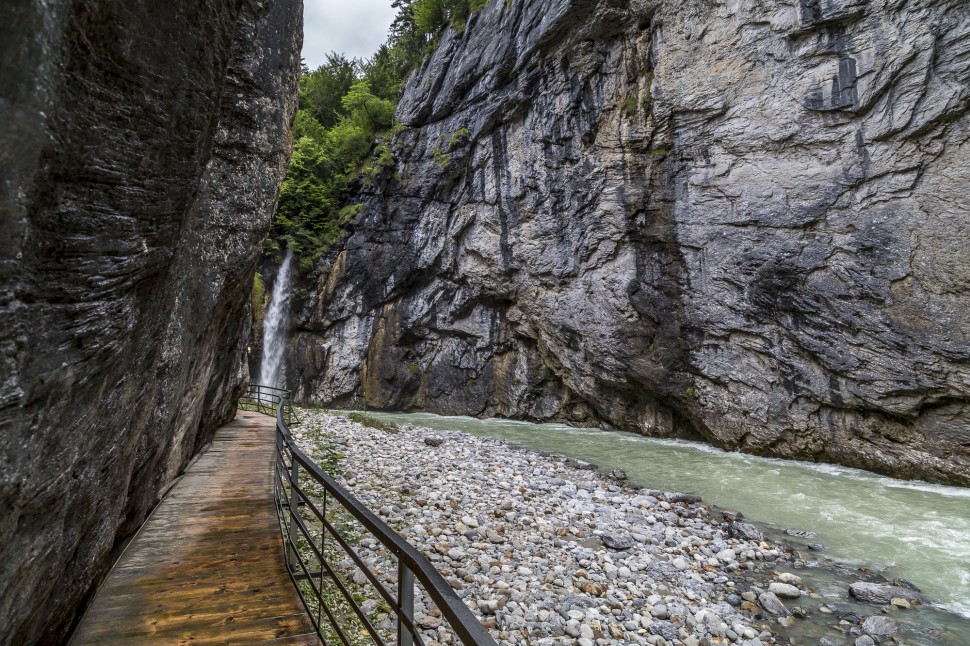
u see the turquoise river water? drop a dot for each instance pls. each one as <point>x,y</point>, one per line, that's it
<point>914,530</point>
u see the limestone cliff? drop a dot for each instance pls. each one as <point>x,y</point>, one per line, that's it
<point>142,144</point>
<point>744,222</point>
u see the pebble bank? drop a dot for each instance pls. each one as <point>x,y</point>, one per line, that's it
<point>548,551</point>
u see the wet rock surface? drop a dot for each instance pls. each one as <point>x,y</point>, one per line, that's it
<point>879,593</point>
<point>740,223</point>
<point>143,143</point>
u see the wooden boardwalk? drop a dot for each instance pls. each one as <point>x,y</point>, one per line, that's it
<point>207,567</point>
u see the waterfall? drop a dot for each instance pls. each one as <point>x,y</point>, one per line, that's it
<point>274,325</point>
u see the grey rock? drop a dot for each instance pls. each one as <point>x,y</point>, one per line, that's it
<point>665,629</point>
<point>683,497</point>
<point>618,474</point>
<point>784,590</point>
<point>617,541</point>
<point>879,625</point>
<point>746,531</point>
<point>434,440</point>
<point>864,640</point>
<point>760,256</point>
<point>878,593</point>
<point>144,145</point>
<point>770,602</point>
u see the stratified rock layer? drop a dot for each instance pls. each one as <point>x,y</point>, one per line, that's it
<point>742,221</point>
<point>143,144</point>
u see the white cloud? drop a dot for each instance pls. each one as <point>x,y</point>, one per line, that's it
<point>355,28</point>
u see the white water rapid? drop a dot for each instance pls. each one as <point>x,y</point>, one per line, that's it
<point>274,325</point>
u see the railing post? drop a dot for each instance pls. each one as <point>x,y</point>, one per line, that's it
<point>294,507</point>
<point>405,600</point>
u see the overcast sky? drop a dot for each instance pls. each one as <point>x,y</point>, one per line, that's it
<point>355,28</point>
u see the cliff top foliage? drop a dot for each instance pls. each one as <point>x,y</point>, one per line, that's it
<point>343,127</point>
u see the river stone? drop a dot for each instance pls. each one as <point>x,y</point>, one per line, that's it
<point>746,531</point>
<point>879,625</point>
<point>784,590</point>
<point>664,629</point>
<point>770,602</point>
<point>683,497</point>
<point>143,145</point>
<point>617,541</point>
<point>877,593</point>
<point>434,440</point>
<point>864,640</point>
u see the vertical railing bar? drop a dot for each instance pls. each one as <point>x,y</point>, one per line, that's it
<point>405,602</point>
<point>294,483</point>
<point>323,544</point>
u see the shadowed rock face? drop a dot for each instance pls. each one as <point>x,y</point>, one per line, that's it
<point>143,144</point>
<point>744,222</point>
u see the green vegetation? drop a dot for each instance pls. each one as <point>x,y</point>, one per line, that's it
<point>259,293</point>
<point>432,16</point>
<point>343,128</point>
<point>630,104</point>
<point>441,158</point>
<point>372,422</point>
<point>461,136</point>
<point>332,146</point>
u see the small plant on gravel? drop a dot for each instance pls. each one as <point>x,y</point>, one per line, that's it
<point>372,422</point>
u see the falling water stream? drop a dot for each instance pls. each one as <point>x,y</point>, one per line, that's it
<point>274,325</point>
<point>914,530</point>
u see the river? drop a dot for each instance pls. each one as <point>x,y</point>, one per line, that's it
<point>914,530</point>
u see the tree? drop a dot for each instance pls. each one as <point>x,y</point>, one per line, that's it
<point>322,89</point>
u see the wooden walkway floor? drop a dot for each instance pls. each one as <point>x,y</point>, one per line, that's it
<point>207,567</point>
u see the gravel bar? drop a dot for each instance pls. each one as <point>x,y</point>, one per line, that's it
<point>546,550</point>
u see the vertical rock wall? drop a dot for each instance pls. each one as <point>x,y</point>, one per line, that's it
<point>738,221</point>
<point>142,145</point>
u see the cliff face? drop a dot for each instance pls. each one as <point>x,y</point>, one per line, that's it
<point>142,147</point>
<point>744,222</point>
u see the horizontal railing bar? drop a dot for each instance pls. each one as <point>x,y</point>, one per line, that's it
<point>306,571</point>
<point>384,592</point>
<point>306,534</point>
<point>350,599</point>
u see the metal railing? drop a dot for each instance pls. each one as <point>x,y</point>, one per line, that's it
<point>266,399</point>
<point>322,524</point>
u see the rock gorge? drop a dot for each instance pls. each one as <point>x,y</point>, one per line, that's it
<point>742,222</point>
<point>143,145</point>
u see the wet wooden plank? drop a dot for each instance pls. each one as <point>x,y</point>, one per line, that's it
<point>207,567</point>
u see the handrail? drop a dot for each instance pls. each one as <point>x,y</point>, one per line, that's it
<point>412,567</point>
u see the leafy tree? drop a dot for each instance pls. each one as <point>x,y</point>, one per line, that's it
<point>343,126</point>
<point>321,90</point>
